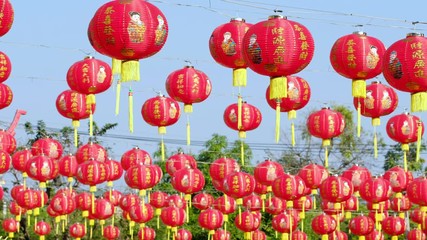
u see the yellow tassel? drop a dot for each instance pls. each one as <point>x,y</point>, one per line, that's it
<point>277,120</point>
<point>359,118</point>
<point>405,149</point>
<point>240,215</point>
<point>116,66</point>
<point>242,153</point>
<point>130,71</point>
<point>75,124</point>
<point>278,87</point>
<point>326,157</point>
<point>394,238</point>
<point>359,88</point>
<point>239,77</point>
<point>188,108</point>
<point>376,121</point>
<point>292,114</point>
<point>162,146</point>
<point>188,134</point>
<point>325,237</point>
<point>161,130</point>
<point>375,145</point>
<point>130,110</point>
<point>293,133</point>
<point>239,112</point>
<point>419,102</point>
<point>92,189</point>
<point>242,134</point>
<point>118,89</point>
<point>419,133</point>
<point>11,235</point>
<point>91,124</point>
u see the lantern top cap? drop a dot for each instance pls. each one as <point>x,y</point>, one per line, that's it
<point>360,33</point>
<point>276,16</point>
<point>415,34</point>
<point>89,57</point>
<point>237,19</point>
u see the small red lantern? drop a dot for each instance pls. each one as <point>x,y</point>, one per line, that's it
<point>41,168</point>
<point>42,228</point>
<point>313,176</point>
<point>402,67</point>
<point>358,57</point>
<point>393,226</point>
<point>135,156</point>
<point>361,225</point>
<point>68,166</point>
<point>284,223</point>
<point>221,167</point>
<point>179,161</point>
<point>8,17</point>
<point>20,158</point>
<point>183,234</point>
<point>113,196</point>
<point>49,147</point>
<point>140,177</point>
<point>111,232</point>
<point>203,201</point>
<point>266,172</point>
<point>375,190</point>
<point>77,231</point>
<point>337,235</point>
<point>226,48</point>
<point>375,235</point>
<point>5,160</point>
<point>298,235</point>
<point>275,205</point>
<point>221,234</point>
<point>398,179</point>
<point>247,222</point>
<point>146,233</point>
<point>417,192</point>
<point>6,96</point>
<point>416,215</point>
<point>63,204</point>
<point>356,174</point>
<point>258,235</point>
<point>5,63</point>
<point>253,202</point>
<point>323,224</point>
<point>278,47</point>
<point>176,200</point>
<point>158,200</point>
<point>400,205</point>
<point>336,189</point>
<point>188,181</point>
<point>326,124</point>
<point>10,225</point>
<point>141,213</point>
<point>405,128</point>
<point>7,141</point>
<point>288,187</point>
<point>238,185</point>
<point>84,203</point>
<point>128,201</point>
<point>91,151</point>
<point>115,171</point>
<point>298,95</point>
<point>75,106</point>
<point>211,219</point>
<point>226,205</point>
<point>250,118</point>
<point>416,234</point>
<point>173,217</point>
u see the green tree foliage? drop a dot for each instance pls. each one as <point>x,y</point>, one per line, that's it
<point>395,156</point>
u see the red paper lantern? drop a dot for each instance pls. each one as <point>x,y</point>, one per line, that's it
<point>251,118</point>
<point>226,205</point>
<point>336,189</point>
<point>221,234</point>
<point>183,234</point>
<point>128,31</point>
<point>416,234</point>
<point>146,233</point>
<point>5,160</point>
<point>403,68</point>
<point>49,147</point>
<point>221,167</point>
<point>188,85</point>
<point>77,230</point>
<point>398,179</point>
<point>8,17</point>
<point>128,201</point>
<point>203,201</point>
<point>135,156</point>
<point>10,226</point>
<point>91,173</point>
<point>7,141</point>
<point>188,181</point>
<point>416,215</point>
<point>16,190</point>
<point>226,48</point>
<point>5,63</point>
<point>179,161</point>
<point>111,232</point>
<point>357,56</point>
<point>84,202</point>
<point>266,172</point>
<point>375,235</point>
<point>393,226</point>
<point>284,223</point>
<point>28,199</point>
<point>361,225</point>
<point>288,187</point>
<point>278,47</point>
<point>400,204</point>
<point>356,174</point>
<point>176,200</point>
<point>238,185</point>
<point>91,151</point>
<point>247,222</point>
<point>313,176</point>
<point>158,199</point>
<point>104,209</point>
<point>211,219</point>
<point>258,235</point>
<point>161,111</point>
<point>68,166</point>
<point>63,204</point>
<point>417,192</point>
<point>17,210</point>
<point>337,235</point>
<point>140,177</point>
<point>326,124</point>
<point>42,228</point>
<point>323,224</point>
<point>375,190</point>
<point>141,213</point>
<point>253,202</point>
<point>6,96</point>
<point>42,168</point>
<point>173,217</point>
<point>275,205</point>
<point>298,235</point>
<point>116,171</point>
<point>20,158</point>
<point>113,196</point>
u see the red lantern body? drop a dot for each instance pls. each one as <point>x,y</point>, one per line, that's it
<point>91,151</point>
<point>128,201</point>
<point>140,177</point>
<point>284,223</point>
<point>416,234</point>
<point>7,142</point>
<point>239,184</point>
<point>203,201</point>
<point>146,233</point>
<point>176,200</point>
<point>247,222</point>
<point>158,199</point>
<point>84,201</point>
<point>288,187</point>
<point>253,202</point>
<point>211,219</point>
<point>323,224</point>
<point>6,96</point>
<point>128,30</point>
<point>258,235</point>
<point>63,204</point>
<point>135,156</point>
<point>226,48</point>
<point>361,225</point>
<point>299,235</point>
<point>325,124</point>
<point>313,175</point>
<point>92,173</point>
<point>221,167</point>
<point>16,209</point>
<point>221,234</point>
<point>267,171</point>
<point>8,17</point>
<point>375,235</point>
<point>179,161</point>
<point>417,192</point>
<point>5,63</point>
<point>398,178</point>
<point>336,189</point>
<point>225,204</point>
<point>141,213</point>
<point>5,160</point>
<point>20,158</point>
<point>375,190</point>
<point>10,225</point>
<point>251,118</point>
<point>188,180</point>
<point>111,232</point>
<point>188,85</point>
<point>104,209</point>
<point>275,205</point>
<point>400,204</point>
<point>393,226</point>
<point>48,147</point>
<point>74,105</point>
<point>41,168</point>
<point>173,216</point>
<point>183,234</point>
<point>68,165</point>
<point>356,174</point>
<point>116,170</point>
<point>77,230</point>
<point>42,228</point>
<point>113,196</point>
<point>161,111</point>
<point>380,100</point>
<point>403,128</point>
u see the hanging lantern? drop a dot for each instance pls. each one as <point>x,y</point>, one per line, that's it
<point>416,234</point>
<point>115,171</point>
<point>336,189</point>
<point>375,190</point>
<point>173,217</point>
<point>380,100</point>
<point>141,213</point>
<point>74,105</point>
<point>114,196</point>
<point>357,56</point>
<point>406,128</point>
<point>203,201</point>
<point>111,232</point>
<point>68,167</point>
<point>337,235</point>
<point>394,226</point>
<point>5,160</point>
<point>285,224</point>
<point>288,187</point>
<point>7,141</point>
<point>84,203</point>
<point>417,194</point>
<point>298,95</point>
<point>247,223</point>
<point>5,63</point>
<point>313,176</point>
<point>135,156</point>
<point>221,234</point>
<point>361,225</point>
<point>183,234</point>
<point>403,68</point>
<point>42,228</point>
<point>179,161</point>
<point>221,167</point>
<point>258,235</point>
<point>140,177</point>
<point>356,174</point>
<point>298,235</point>
<point>129,200</point>
<point>277,48</point>
<point>6,96</point>
<point>416,216</point>
<point>41,168</point>
<point>268,171</point>
<point>323,224</point>
<point>275,205</point>
<point>49,147</point>
<point>211,219</point>
<point>252,202</point>
<point>226,48</point>
<point>188,181</point>
<point>375,235</point>
<point>238,185</point>
<point>351,205</point>
<point>161,111</point>
<point>400,205</point>
<point>398,179</point>
<point>227,205</point>
<point>326,124</point>
<point>176,200</point>
<point>127,31</point>
<point>7,18</point>
<point>10,226</point>
<point>91,151</point>
<point>146,233</point>
<point>77,231</point>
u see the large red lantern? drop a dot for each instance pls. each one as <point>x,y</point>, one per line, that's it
<point>356,174</point>
<point>74,105</point>
<point>403,68</point>
<point>77,230</point>
<point>68,167</point>
<point>203,201</point>
<point>326,124</point>
<point>6,96</point>
<point>238,185</point>
<point>417,192</point>
<point>49,147</point>
<point>173,217</point>
<point>211,219</point>
<point>313,176</point>
<point>221,167</point>
<point>416,234</point>
<point>398,179</point>
<point>288,187</point>
<point>277,48</point>
<point>91,151</point>
<point>141,213</point>
<point>323,224</point>
<point>10,225</point>
<point>140,177</point>
<point>284,223</point>
<point>394,226</point>
<point>5,63</point>
<point>361,225</point>
<point>226,205</point>
<point>247,222</point>
<point>179,161</point>
<point>7,18</point>
<point>336,189</point>
<point>405,128</point>
<point>226,48</point>
<point>188,181</point>
<point>357,56</point>
<point>250,118</point>
<point>375,190</point>
<point>111,232</point>
<point>299,94</point>
<point>42,228</point>
<point>266,172</point>
<point>135,156</point>
<point>41,168</point>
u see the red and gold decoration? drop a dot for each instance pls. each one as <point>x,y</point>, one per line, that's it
<point>7,18</point>
<point>323,225</point>
<point>326,124</point>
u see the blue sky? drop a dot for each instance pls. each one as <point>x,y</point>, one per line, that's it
<point>47,37</point>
